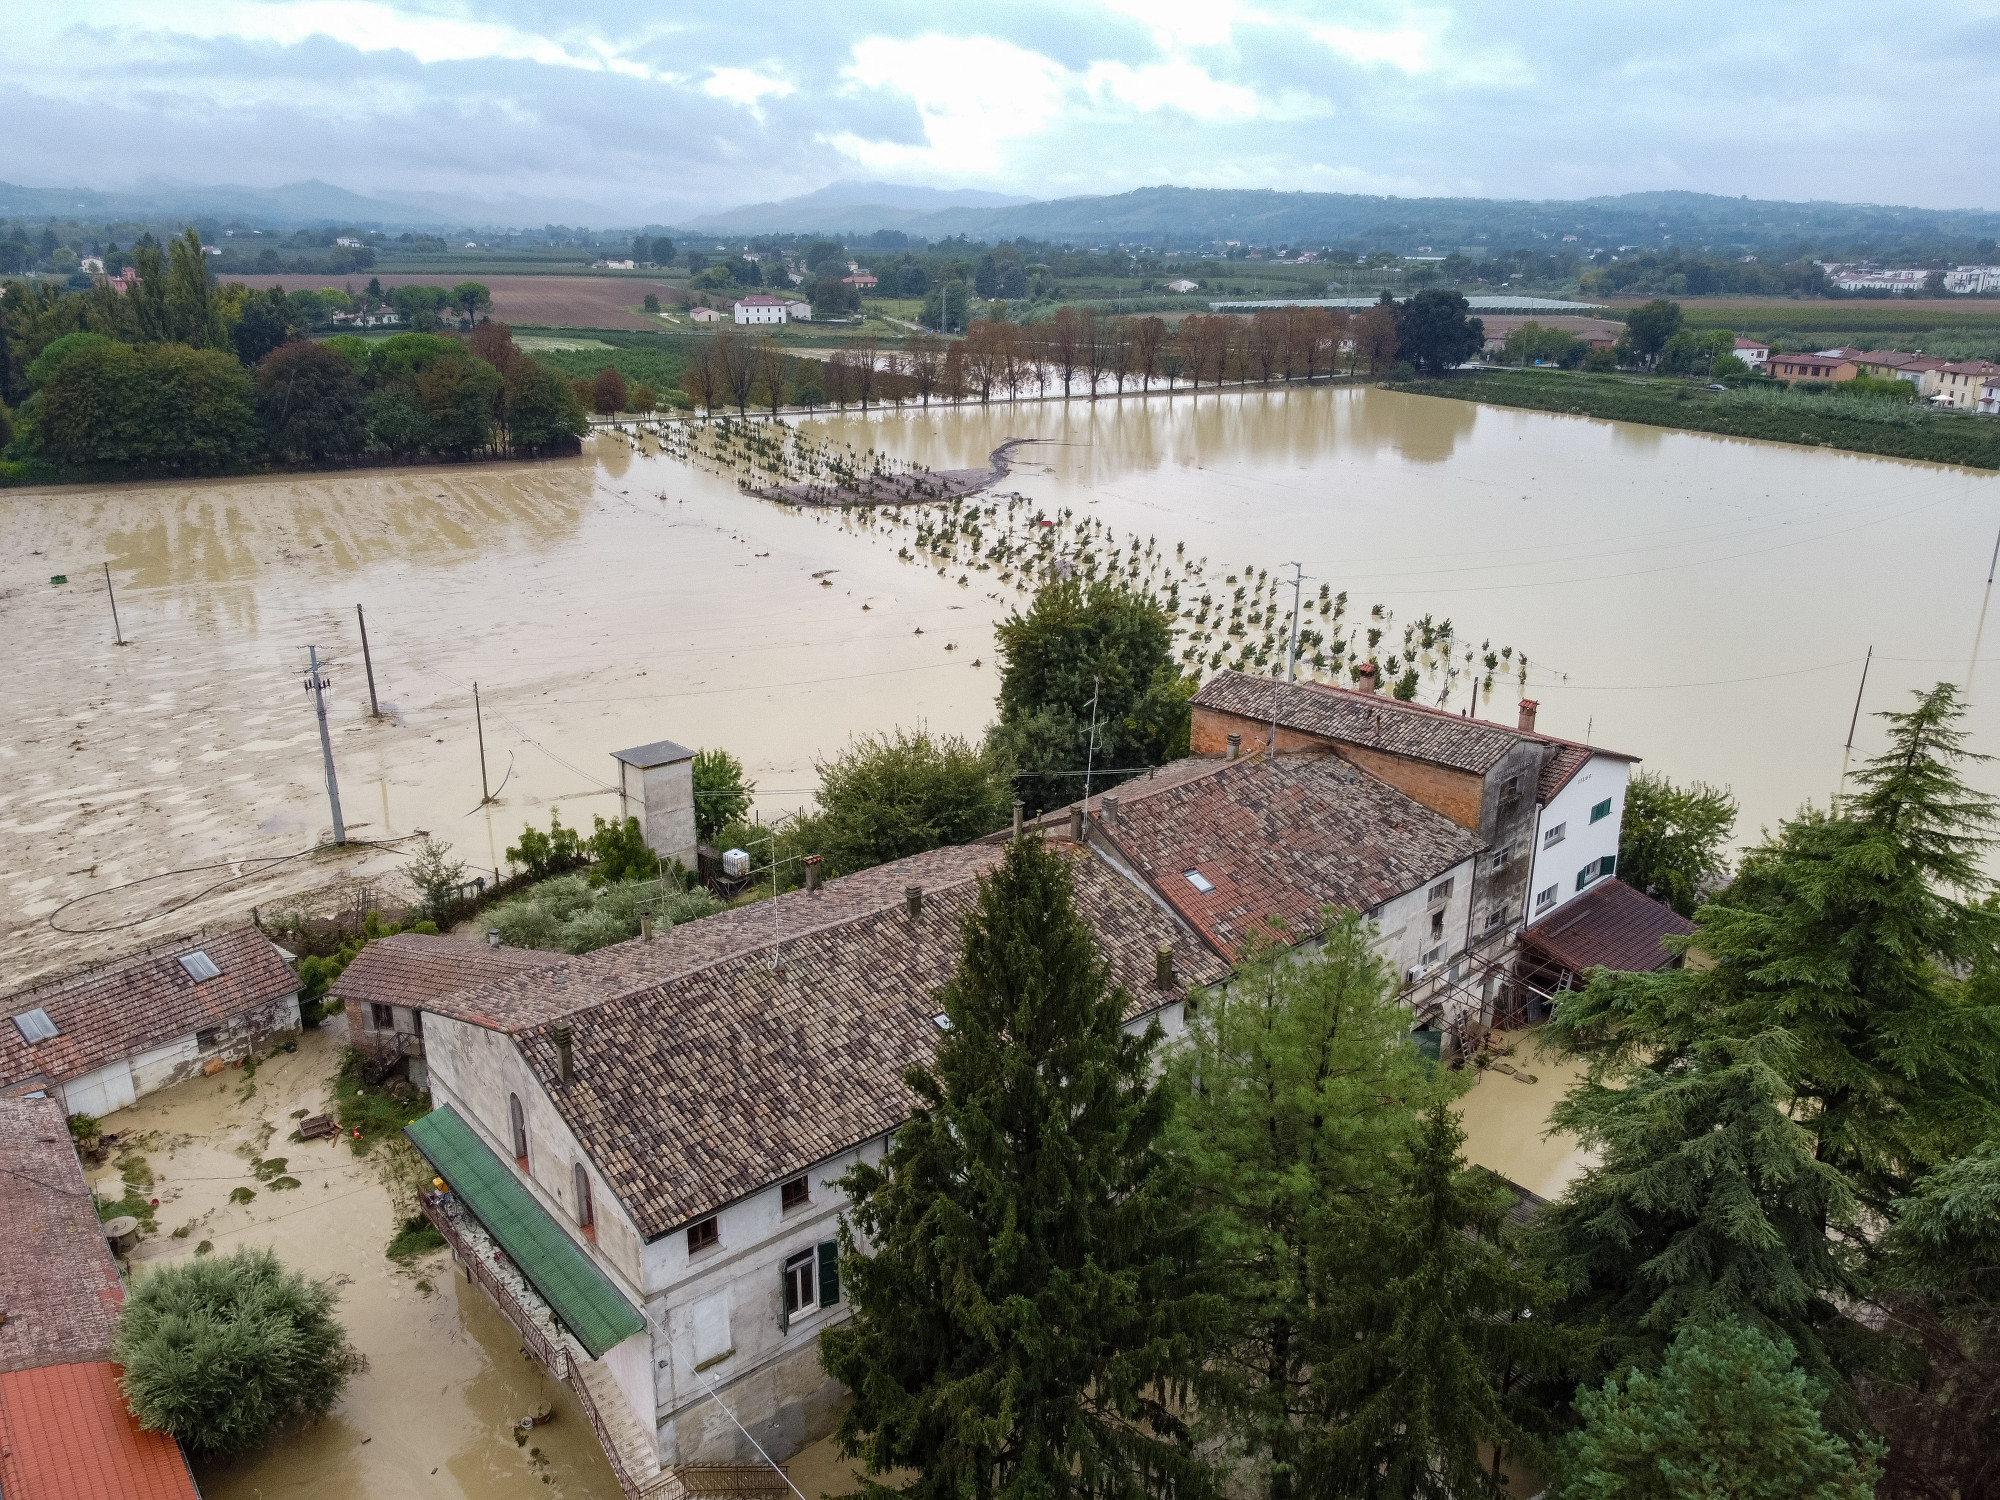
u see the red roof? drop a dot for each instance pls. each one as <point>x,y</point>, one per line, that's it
<point>1277,841</point>
<point>66,1434</point>
<point>1610,926</point>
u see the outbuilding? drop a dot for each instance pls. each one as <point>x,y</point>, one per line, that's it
<point>103,1038</point>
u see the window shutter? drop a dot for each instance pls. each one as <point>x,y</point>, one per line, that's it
<point>829,1272</point>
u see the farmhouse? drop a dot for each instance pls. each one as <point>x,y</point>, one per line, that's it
<point>103,1038</point>
<point>758,308</point>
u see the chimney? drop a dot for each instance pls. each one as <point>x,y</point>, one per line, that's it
<point>1366,679</point>
<point>1528,707</point>
<point>1235,743</point>
<point>565,1053</point>
<point>1163,968</point>
<point>812,874</point>
<point>913,900</point>
<point>1110,806</point>
<point>1017,818</point>
<point>645,927</point>
<point>1076,824</point>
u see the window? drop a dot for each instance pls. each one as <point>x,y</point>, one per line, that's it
<point>792,1194</point>
<point>1601,811</point>
<point>1554,836</point>
<point>199,966</point>
<point>35,1025</point>
<point>1597,870</point>
<point>1510,789</point>
<point>586,1215</point>
<point>799,1295</point>
<point>517,1119</point>
<point>1437,924</point>
<point>1496,916</point>
<point>701,1236</point>
<point>1435,955</point>
<point>1502,858</point>
<point>383,1018</point>
<point>1545,899</point>
<point>210,1037</point>
<point>1440,892</point>
<point>1199,881</point>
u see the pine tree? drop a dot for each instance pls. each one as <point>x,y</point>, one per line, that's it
<point>1298,1092</point>
<point>1844,932</point>
<point>1729,1417</point>
<point>1025,1315</point>
<point>1434,1344</point>
<point>1706,1203</point>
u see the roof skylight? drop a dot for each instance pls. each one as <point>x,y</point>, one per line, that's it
<point>199,966</point>
<point>35,1025</point>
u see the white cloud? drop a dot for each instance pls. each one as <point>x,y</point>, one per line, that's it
<point>745,87</point>
<point>1409,48</point>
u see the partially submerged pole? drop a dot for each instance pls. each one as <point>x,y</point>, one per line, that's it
<point>317,686</point>
<point>116,630</point>
<point>479,723</point>
<point>1852,723</point>
<point>374,709</point>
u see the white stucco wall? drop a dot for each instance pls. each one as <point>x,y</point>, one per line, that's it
<point>1583,842</point>
<point>116,1085</point>
<point>1404,923</point>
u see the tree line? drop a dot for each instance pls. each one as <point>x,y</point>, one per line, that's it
<point>182,376</point>
<point>1256,1261</point>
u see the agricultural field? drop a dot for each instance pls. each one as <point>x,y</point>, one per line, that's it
<point>548,301</point>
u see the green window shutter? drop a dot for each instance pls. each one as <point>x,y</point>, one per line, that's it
<point>1608,865</point>
<point>1601,811</point>
<point>829,1272</point>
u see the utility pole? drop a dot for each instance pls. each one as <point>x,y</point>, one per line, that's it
<point>1090,760</point>
<point>317,686</point>
<point>1291,654</point>
<point>1991,567</point>
<point>116,630</point>
<point>1841,790</point>
<point>374,709</point>
<point>479,723</point>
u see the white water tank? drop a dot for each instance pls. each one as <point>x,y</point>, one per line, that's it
<point>735,863</point>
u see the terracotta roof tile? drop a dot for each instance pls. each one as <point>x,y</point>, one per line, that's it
<point>1367,719</point>
<point>1610,926</point>
<point>60,1282</point>
<point>66,1434</point>
<point>107,1013</point>
<point>1279,840</point>
<point>723,1074</point>
<point>414,970</point>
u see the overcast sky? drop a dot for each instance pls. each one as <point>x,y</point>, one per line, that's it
<point>630,105</point>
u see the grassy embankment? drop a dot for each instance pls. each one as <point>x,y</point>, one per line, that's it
<point>1855,424</point>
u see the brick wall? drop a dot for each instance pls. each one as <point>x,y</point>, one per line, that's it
<point>1210,731</point>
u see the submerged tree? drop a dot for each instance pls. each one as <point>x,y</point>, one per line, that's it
<point>220,1351</point>
<point>1023,1319</point>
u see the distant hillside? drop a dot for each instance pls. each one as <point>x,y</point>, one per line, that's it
<point>1180,216</point>
<point>297,203</point>
<point>852,208</point>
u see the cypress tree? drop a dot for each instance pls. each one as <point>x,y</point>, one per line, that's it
<point>1025,1317</point>
<point>1435,1344</point>
<point>1298,1093</point>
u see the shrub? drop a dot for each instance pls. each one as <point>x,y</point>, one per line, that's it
<point>544,854</point>
<point>721,794</point>
<point>220,1351</point>
<point>618,852</point>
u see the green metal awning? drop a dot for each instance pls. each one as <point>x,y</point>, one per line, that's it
<point>580,1294</point>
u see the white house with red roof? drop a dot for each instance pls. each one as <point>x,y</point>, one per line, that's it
<point>759,308</point>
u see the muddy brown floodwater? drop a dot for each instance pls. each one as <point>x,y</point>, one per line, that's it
<point>1703,602</point>
<point>433,1414</point>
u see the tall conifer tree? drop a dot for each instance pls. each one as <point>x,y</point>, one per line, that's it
<point>1298,1100</point>
<point>1020,1263</point>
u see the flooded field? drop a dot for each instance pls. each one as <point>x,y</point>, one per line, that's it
<point>1702,602</point>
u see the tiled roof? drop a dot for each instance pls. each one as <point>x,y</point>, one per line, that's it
<point>1279,840</point>
<point>66,1434</point>
<point>1563,761</point>
<point>1610,926</point>
<point>125,1007</point>
<point>1972,367</point>
<point>722,1074</point>
<point>56,1272</point>
<point>1366,719</point>
<point>530,999</point>
<point>415,970</point>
